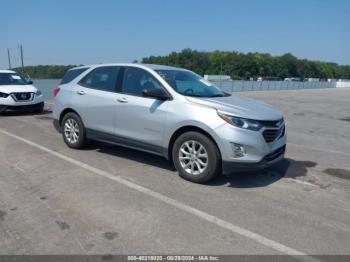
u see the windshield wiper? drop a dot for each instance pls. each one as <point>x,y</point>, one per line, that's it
<point>193,95</point>
<point>218,95</point>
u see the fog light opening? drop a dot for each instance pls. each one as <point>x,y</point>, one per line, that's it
<point>238,150</point>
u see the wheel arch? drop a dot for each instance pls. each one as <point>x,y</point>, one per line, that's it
<point>64,112</point>
<point>185,129</point>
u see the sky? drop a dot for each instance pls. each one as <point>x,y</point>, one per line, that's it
<point>102,31</point>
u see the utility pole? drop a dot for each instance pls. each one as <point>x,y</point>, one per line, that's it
<point>21,47</point>
<point>220,74</point>
<point>9,57</point>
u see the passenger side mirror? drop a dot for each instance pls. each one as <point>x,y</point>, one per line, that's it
<point>156,93</point>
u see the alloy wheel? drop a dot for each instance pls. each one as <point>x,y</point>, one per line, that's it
<point>71,130</point>
<point>193,157</point>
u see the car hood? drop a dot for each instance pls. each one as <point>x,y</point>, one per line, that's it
<point>240,106</point>
<point>8,89</point>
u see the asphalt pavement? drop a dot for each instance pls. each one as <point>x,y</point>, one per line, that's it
<point>107,199</point>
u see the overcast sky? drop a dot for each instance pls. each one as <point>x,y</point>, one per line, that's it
<point>86,32</point>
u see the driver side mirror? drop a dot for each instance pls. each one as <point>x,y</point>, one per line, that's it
<point>156,93</point>
<point>30,82</point>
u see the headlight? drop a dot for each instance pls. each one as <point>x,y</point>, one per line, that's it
<point>241,122</point>
<point>38,93</point>
<point>3,95</point>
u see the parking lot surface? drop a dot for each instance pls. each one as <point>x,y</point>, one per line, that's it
<point>111,200</point>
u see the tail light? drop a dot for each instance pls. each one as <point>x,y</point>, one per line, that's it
<point>56,91</point>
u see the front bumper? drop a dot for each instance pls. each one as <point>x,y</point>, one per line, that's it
<point>277,155</point>
<point>258,152</point>
<point>21,108</point>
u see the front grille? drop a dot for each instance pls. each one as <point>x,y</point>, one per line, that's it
<point>275,154</point>
<point>270,135</point>
<point>271,123</point>
<point>23,96</point>
<point>274,130</point>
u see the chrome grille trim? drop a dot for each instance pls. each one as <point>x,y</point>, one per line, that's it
<point>18,96</point>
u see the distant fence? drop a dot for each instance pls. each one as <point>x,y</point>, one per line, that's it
<point>343,83</point>
<point>241,85</point>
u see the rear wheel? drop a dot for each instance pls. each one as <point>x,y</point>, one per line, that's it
<point>73,131</point>
<point>196,157</point>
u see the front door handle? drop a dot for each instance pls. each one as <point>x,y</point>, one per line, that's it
<point>81,92</point>
<point>122,100</point>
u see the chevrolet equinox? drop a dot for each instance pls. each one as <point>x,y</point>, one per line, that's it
<point>170,112</point>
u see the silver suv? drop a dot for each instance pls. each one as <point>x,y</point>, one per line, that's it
<point>170,112</point>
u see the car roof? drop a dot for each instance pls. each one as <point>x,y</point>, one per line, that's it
<point>8,71</point>
<point>160,67</point>
<point>150,66</point>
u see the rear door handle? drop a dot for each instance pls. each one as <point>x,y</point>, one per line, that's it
<point>81,92</point>
<point>122,100</point>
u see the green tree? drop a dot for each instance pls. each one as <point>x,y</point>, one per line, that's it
<point>242,66</point>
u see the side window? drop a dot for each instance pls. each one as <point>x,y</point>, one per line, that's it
<point>137,79</point>
<point>102,78</point>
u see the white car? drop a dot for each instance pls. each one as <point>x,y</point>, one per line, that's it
<point>18,94</point>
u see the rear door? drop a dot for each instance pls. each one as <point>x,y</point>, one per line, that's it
<point>95,99</point>
<point>140,120</point>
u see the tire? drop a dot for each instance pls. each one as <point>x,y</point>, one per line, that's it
<point>194,166</point>
<point>73,131</point>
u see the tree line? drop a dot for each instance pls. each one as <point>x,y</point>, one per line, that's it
<point>44,71</point>
<point>235,64</point>
<point>246,65</point>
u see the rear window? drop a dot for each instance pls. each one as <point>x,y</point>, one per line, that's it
<point>71,74</point>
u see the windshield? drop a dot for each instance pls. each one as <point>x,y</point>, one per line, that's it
<point>11,79</point>
<point>189,84</point>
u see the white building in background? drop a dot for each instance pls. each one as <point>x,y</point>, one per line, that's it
<point>217,77</point>
<point>310,79</point>
<point>343,83</point>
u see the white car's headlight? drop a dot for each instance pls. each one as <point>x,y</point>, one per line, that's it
<point>3,95</point>
<point>38,93</point>
<point>241,122</point>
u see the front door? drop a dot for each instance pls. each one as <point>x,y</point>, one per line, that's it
<point>140,120</point>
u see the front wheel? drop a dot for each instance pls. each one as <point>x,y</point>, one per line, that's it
<point>73,131</point>
<point>196,157</point>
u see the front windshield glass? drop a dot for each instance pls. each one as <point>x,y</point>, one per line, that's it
<point>11,79</point>
<point>190,84</point>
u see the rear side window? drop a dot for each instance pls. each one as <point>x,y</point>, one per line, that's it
<point>102,78</point>
<point>72,74</point>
